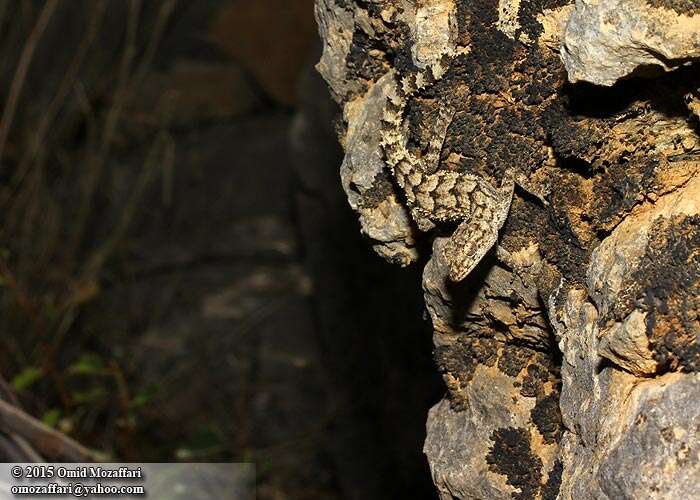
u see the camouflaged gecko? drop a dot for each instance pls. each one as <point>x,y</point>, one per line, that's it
<point>435,196</point>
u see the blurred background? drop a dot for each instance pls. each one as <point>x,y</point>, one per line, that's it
<point>181,278</point>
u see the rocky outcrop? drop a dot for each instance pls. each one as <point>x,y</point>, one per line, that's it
<point>570,352</point>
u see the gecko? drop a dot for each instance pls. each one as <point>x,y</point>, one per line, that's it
<point>437,196</point>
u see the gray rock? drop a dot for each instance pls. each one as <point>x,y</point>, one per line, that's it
<point>457,442</point>
<point>627,436</point>
<point>336,26</point>
<point>658,453</point>
<point>493,397</point>
<point>614,267</point>
<point>367,184</point>
<point>606,40</point>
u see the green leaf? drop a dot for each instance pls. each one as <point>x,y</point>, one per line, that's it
<point>89,396</point>
<point>51,417</point>
<point>87,364</point>
<point>26,378</point>
<point>142,398</point>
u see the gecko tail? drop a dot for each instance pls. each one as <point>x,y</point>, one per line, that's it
<point>467,247</point>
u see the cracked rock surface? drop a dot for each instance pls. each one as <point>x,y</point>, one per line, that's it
<point>570,353</point>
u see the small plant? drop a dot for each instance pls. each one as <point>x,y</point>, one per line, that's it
<point>67,200</point>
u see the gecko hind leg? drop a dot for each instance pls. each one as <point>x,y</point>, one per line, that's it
<point>425,179</point>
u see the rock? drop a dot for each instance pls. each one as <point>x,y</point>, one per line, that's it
<point>372,349</point>
<point>496,433</point>
<point>336,25</point>
<point>583,316</point>
<point>606,40</point>
<point>368,187</point>
<point>657,455</point>
<point>631,282</point>
<point>458,443</point>
<point>627,438</point>
<point>611,449</point>
<point>627,345</point>
<point>693,104</point>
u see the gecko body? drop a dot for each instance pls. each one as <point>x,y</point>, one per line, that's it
<point>438,196</point>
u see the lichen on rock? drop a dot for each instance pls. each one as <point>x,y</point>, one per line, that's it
<point>585,310</point>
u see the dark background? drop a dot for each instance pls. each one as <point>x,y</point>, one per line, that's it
<point>181,277</point>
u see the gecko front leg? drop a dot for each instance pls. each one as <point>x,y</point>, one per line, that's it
<point>478,231</point>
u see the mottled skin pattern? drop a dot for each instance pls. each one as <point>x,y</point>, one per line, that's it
<point>443,196</point>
